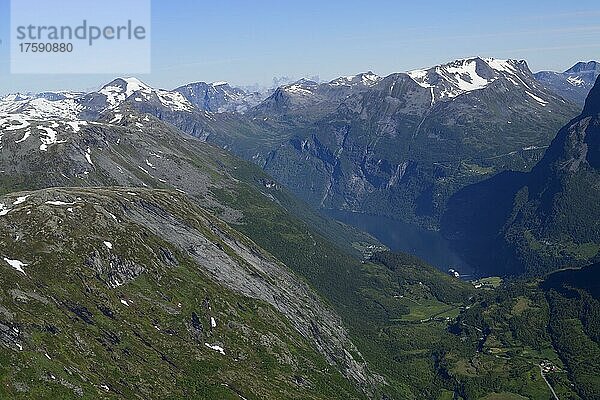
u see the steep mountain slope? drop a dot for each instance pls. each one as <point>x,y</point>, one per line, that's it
<point>397,146</point>
<point>394,311</point>
<point>131,293</point>
<point>541,220</point>
<point>129,149</point>
<point>575,83</point>
<point>401,146</point>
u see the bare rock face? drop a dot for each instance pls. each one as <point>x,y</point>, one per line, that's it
<point>592,103</point>
<point>114,270</point>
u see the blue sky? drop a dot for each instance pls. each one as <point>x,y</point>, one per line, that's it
<point>247,42</point>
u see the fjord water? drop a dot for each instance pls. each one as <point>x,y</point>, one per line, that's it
<point>429,245</point>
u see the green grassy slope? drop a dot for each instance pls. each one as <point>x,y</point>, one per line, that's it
<point>104,308</point>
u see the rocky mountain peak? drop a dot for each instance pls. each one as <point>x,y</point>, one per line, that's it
<point>121,88</point>
<point>365,79</point>
<point>574,84</point>
<point>581,66</point>
<point>457,77</point>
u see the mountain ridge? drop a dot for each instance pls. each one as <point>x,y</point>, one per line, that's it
<point>398,144</point>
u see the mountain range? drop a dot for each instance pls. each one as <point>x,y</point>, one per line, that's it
<point>398,146</point>
<point>142,259</point>
<point>401,145</point>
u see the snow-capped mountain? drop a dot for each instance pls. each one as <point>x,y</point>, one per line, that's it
<point>45,119</point>
<point>62,105</point>
<point>573,84</point>
<point>35,118</point>
<point>132,90</point>
<point>303,92</point>
<point>450,80</point>
<point>398,146</point>
<point>441,83</point>
<point>364,79</point>
<point>74,106</point>
<point>42,120</point>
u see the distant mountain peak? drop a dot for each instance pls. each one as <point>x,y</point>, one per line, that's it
<point>468,74</point>
<point>365,78</point>
<point>302,87</point>
<point>121,88</point>
<point>590,66</point>
<point>575,83</point>
<point>219,96</point>
<point>127,84</point>
<point>304,81</point>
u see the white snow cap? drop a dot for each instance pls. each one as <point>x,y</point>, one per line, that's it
<point>466,75</point>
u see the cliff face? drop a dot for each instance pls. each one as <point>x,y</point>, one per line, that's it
<point>543,219</point>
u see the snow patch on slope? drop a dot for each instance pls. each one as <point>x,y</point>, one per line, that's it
<point>575,81</point>
<point>3,209</point>
<point>115,94</point>
<point>539,100</point>
<point>215,348</point>
<point>48,137</point>
<point>420,77</point>
<point>467,75</point>
<point>16,264</point>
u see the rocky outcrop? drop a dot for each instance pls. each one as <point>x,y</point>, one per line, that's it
<point>114,270</point>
